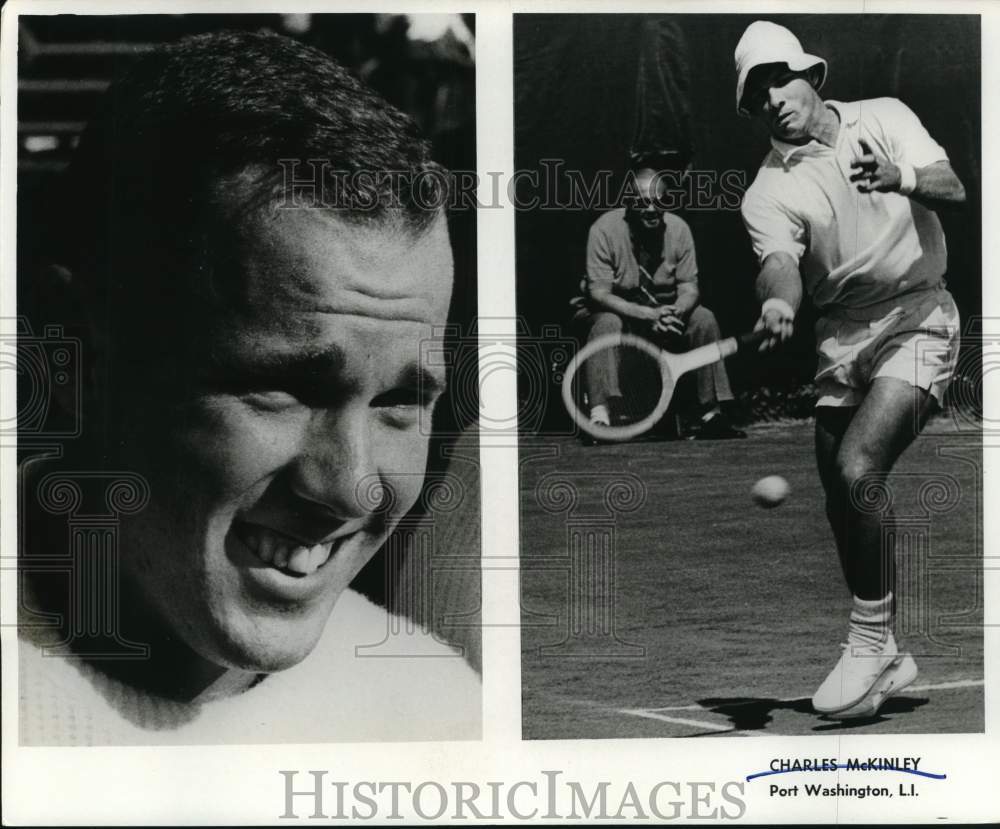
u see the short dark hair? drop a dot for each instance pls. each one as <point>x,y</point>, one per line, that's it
<point>213,106</point>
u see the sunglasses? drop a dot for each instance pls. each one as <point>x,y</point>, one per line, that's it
<point>639,203</point>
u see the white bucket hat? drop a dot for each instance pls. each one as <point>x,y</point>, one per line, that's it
<point>764,42</point>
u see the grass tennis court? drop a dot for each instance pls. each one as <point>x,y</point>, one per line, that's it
<point>726,617</point>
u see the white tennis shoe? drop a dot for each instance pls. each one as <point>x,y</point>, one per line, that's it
<point>600,416</point>
<point>864,678</point>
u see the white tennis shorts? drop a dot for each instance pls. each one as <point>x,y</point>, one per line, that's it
<point>913,338</point>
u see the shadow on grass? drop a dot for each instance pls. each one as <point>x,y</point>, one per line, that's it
<point>894,705</point>
<point>754,714</point>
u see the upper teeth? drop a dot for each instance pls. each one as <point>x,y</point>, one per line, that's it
<point>279,552</point>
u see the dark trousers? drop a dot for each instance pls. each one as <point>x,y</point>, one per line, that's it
<point>602,371</point>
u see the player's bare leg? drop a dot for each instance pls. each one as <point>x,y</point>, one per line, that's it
<point>831,424</point>
<point>857,448</point>
<point>864,444</point>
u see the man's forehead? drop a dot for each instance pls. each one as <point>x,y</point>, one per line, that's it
<point>647,179</point>
<point>316,259</point>
<point>308,294</point>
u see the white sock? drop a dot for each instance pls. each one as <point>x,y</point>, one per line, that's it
<point>599,414</point>
<point>871,621</point>
<point>707,416</point>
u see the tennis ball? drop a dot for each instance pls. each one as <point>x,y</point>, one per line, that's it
<point>769,492</point>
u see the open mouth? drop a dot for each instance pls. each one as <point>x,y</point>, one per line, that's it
<point>284,553</point>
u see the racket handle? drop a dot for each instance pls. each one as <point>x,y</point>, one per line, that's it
<point>753,338</point>
<point>730,346</point>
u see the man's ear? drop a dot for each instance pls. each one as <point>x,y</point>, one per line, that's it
<point>59,300</point>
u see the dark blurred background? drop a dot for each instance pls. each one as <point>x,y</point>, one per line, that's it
<point>425,65</point>
<point>589,88</point>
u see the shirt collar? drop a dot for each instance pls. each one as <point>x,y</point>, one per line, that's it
<point>849,114</point>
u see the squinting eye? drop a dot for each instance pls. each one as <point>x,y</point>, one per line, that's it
<point>400,407</point>
<point>783,81</point>
<point>271,401</point>
<point>397,398</point>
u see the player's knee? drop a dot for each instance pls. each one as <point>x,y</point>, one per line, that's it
<point>856,474</point>
<point>605,322</point>
<point>702,321</point>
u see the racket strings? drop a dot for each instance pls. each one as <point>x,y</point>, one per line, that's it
<point>618,386</point>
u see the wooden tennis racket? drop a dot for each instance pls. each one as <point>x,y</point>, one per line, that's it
<point>648,375</point>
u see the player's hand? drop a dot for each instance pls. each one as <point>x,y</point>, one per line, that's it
<point>778,326</point>
<point>874,172</point>
<point>669,321</point>
<point>648,313</point>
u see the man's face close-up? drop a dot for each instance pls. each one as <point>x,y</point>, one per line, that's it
<point>784,100</point>
<point>647,206</point>
<point>304,398</point>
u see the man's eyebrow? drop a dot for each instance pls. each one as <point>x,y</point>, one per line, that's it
<point>278,365</point>
<point>420,377</point>
<point>326,365</point>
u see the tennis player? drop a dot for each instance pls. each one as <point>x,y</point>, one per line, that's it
<point>255,372</point>
<point>843,208</point>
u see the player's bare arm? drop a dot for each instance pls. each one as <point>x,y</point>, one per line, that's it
<point>933,184</point>
<point>938,183</point>
<point>779,290</point>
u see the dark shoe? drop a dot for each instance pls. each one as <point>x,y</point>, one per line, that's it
<point>718,427</point>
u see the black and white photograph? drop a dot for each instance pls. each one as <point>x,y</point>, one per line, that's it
<point>751,463</point>
<point>248,508</point>
<point>483,412</point>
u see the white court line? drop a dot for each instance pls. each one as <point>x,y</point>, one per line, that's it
<point>944,686</point>
<point>651,715</point>
<point>939,686</point>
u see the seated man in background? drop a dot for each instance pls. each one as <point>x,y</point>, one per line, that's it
<point>642,277</point>
<point>251,417</point>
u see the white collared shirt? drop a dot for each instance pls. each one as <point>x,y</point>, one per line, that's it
<point>854,249</point>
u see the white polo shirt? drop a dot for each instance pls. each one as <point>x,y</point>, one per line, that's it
<point>855,250</point>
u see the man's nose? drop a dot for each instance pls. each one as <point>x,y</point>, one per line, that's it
<point>774,100</point>
<point>336,465</point>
